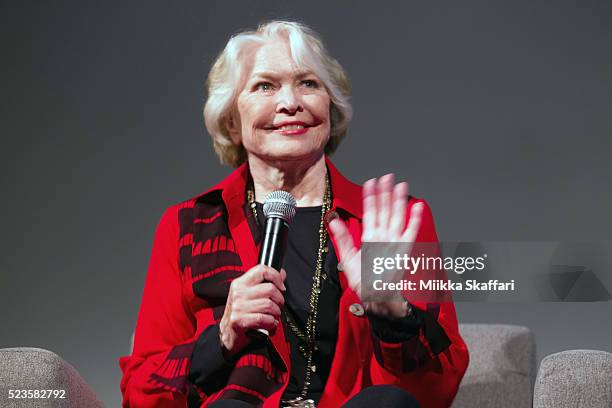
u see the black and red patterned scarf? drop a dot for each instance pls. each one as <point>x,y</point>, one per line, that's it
<point>212,262</point>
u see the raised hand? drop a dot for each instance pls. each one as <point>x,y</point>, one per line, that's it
<point>384,220</point>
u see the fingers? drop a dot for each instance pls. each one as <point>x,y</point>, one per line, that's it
<point>265,306</point>
<point>265,290</point>
<point>258,321</point>
<point>369,205</point>
<point>384,201</point>
<point>254,302</point>
<point>384,209</point>
<point>398,219</point>
<point>274,276</point>
<point>259,284</point>
<point>413,223</point>
<point>262,273</point>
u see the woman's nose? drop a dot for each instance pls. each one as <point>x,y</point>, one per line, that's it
<point>289,101</point>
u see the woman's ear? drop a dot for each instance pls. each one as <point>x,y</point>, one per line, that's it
<point>233,128</point>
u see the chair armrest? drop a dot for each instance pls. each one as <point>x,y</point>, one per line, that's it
<point>574,378</point>
<point>26,368</point>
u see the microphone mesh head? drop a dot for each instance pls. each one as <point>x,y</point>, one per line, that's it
<point>280,204</point>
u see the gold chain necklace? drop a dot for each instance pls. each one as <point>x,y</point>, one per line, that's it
<point>308,343</point>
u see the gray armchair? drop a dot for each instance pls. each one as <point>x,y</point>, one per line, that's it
<point>502,367</point>
<point>579,378</point>
<point>27,368</point>
<point>501,374</point>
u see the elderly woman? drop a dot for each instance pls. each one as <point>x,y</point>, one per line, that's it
<point>278,106</point>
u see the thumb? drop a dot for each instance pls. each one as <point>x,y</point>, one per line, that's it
<point>342,237</point>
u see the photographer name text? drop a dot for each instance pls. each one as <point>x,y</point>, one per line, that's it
<point>444,285</point>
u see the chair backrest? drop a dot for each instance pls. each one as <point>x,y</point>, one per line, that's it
<point>574,378</point>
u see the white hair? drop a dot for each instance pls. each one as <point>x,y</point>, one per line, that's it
<point>227,76</point>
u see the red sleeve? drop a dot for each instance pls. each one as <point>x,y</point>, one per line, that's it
<point>155,375</point>
<point>431,364</point>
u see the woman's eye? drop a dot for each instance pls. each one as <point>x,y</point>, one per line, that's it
<point>264,86</point>
<point>310,83</point>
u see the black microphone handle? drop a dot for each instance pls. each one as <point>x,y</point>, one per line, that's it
<point>272,253</point>
<point>274,243</point>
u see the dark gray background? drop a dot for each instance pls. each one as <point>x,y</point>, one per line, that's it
<point>498,113</point>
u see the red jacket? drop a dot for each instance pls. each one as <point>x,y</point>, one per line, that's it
<point>201,245</point>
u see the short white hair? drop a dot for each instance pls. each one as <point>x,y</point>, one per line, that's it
<point>227,76</point>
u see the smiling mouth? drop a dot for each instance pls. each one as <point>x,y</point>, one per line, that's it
<point>293,126</point>
<point>290,127</point>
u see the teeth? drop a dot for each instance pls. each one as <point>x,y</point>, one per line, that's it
<point>290,127</point>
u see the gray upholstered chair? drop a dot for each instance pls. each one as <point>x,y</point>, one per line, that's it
<point>27,368</point>
<point>502,367</point>
<point>502,374</point>
<point>579,378</point>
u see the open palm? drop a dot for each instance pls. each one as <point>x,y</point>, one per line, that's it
<point>384,220</point>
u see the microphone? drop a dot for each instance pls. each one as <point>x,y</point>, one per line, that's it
<point>279,210</point>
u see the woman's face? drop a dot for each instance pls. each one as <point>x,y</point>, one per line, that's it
<point>282,112</point>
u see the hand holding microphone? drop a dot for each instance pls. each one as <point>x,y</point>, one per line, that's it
<point>254,302</point>
<point>255,299</point>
